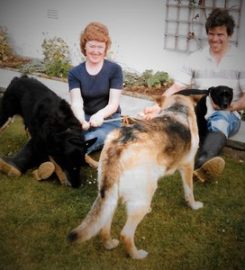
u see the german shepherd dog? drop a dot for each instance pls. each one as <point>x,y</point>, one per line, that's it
<point>55,132</point>
<point>131,162</point>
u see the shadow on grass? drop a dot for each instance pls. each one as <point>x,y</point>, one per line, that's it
<point>35,218</point>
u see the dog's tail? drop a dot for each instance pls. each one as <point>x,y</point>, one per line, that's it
<point>105,204</point>
<point>99,215</point>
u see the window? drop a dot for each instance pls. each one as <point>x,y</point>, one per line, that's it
<point>185,22</point>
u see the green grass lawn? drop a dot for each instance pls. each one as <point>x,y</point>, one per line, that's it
<point>35,218</point>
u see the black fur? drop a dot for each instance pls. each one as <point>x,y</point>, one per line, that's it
<point>221,97</point>
<point>72,237</point>
<point>128,134</point>
<point>52,125</point>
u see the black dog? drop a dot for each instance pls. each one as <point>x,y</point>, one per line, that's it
<point>213,99</point>
<point>55,132</point>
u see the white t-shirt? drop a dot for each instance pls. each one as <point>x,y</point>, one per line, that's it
<point>201,71</point>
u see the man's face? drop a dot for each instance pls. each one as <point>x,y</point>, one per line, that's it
<point>218,39</point>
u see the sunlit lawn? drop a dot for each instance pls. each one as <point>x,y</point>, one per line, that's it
<point>35,218</point>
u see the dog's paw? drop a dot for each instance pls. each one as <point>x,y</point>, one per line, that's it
<point>110,244</point>
<point>140,254</point>
<point>196,205</point>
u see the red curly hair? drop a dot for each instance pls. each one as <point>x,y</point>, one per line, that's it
<point>95,31</point>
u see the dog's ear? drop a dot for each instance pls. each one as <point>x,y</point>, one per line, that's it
<point>230,90</point>
<point>210,89</point>
<point>75,141</point>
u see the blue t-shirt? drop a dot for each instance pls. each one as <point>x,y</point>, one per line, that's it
<point>95,89</point>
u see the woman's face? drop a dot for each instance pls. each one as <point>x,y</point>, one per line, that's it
<point>95,51</point>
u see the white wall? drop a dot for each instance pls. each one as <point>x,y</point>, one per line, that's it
<point>136,28</point>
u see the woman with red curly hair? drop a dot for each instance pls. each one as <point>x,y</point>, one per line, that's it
<point>95,86</point>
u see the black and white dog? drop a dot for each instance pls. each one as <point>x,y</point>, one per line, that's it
<point>210,100</point>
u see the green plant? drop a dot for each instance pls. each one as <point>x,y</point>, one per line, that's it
<point>130,78</point>
<point>56,57</point>
<point>147,79</point>
<point>157,79</point>
<point>35,65</point>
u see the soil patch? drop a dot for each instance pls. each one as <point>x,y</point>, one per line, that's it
<point>144,91</point>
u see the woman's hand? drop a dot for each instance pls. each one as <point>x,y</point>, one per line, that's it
<point>85,125</point>
<point>96,120</point>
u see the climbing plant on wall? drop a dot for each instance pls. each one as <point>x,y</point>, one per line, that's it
<point>185,20</point>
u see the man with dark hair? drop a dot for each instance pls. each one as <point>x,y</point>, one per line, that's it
<point>220,17</point>
<point>218,64</point>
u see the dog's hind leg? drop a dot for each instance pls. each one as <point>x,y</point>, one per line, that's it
<point>137,187</point>
<point>135,216</point>
<point>105,235</point>
<point>91,162</point>
<point>187,178</point>
<point>138,205</point>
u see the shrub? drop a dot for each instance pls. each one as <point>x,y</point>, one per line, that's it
<point>8,58</point>
<point>157,79</point>
<point>147,79</point>
<point>56,57</point>
<point>35,65</point>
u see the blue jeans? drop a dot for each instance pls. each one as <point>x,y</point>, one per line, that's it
<point>101,132</point>
<point>224,121</point>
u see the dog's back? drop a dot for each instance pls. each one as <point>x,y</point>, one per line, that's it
<point>21,98</point>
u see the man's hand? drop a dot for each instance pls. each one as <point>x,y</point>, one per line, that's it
<point>235,106</point>
<point>150,112</point>
<point>238,105</point>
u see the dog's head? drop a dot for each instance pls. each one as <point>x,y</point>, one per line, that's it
<point>56,129</point>
<point>221,96</point>
<point>68,150</point>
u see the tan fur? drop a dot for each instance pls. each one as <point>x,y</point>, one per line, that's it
<point>132,161</point>
<point>59,173</point>
<point>91,162</point>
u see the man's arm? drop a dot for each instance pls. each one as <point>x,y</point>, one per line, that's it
<point>238,105</point>
<point>151,112</point>
<point>174,88</point>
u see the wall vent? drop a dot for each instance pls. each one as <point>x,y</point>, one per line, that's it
<point>52,14</point>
